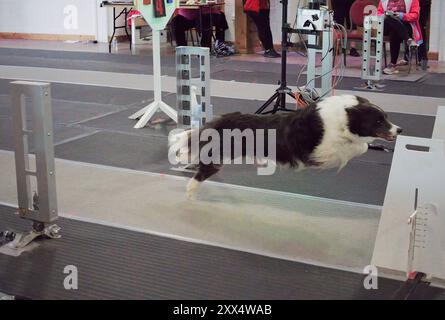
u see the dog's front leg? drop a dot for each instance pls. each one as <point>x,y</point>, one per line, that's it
<point>192,187</point>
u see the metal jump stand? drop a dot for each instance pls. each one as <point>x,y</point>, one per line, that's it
<point>144,115</point>
<point>36,202</point>
<point>372,62</point>
<point>324,20</point>
<point>157,14</point>
<point>193,93</point>
<point>411,231</point>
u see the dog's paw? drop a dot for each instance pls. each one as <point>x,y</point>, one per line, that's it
<point>192,187</point>
<point>191,196</point>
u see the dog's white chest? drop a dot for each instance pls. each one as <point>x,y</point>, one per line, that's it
<point>337,155</point>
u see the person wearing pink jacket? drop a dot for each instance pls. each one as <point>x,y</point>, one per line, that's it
<point>401,24</point>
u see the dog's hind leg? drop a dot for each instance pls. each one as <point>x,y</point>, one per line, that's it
<point>204,172</point>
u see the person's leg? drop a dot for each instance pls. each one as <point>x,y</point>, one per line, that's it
<point>391,29</point>
<point>394,45</point>
<point>179,29</point>
<point>397,33</point>
<point>266,29</point>
<point>180,25</point>
<point>220,23</point>
<point>206,34</point>
<point>425,12</point>
<point>259,25</point>
<point>262,23</point>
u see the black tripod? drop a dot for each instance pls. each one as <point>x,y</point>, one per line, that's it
<point>280,94</point>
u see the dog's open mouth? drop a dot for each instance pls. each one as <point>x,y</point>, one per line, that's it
<point>387,136</point>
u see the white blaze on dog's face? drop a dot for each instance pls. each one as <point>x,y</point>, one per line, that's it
<point>369,121</point>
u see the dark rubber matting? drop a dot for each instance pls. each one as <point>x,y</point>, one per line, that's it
<point>115,263</point>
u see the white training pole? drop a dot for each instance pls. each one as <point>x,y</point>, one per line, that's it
<point>146,113</point>
<point>157,64</point>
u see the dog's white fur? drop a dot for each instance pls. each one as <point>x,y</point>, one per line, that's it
<point>338,145</point>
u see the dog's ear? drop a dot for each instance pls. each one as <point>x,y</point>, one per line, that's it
<point>362,101</point>
<point>354,121</point>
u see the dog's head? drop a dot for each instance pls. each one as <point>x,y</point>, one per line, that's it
<point>369,121</point>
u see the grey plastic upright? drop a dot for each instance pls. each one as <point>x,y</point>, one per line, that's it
<point>372,60</point>
<point>411,233</point>
<point>38,205</point>
<point>185,82</point>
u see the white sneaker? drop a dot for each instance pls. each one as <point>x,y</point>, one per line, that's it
<point>402,62</point>
<point>390,69</point>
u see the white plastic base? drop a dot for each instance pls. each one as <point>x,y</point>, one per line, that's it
<point>144,115</point>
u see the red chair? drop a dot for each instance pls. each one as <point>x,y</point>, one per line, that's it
<point>357,17</point>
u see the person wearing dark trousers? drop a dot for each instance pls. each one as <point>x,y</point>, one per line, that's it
<point>259,12</point>
<point>401,24</point>
<point>398,32</point>
<point>341,14</point>
<point>186,19</point>
<point>425,13</point>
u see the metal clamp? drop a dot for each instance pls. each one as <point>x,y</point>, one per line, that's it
<point>21,240</point>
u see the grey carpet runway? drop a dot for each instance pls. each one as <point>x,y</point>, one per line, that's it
<point>221,68</point>
<point>163,268</point>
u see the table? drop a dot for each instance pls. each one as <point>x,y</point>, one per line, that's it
<point>125,5</point>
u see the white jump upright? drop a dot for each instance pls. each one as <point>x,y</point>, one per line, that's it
<point>144,115</point>
<point>372,60</point>
<point>411,233</point>
<point>439,125</point>
<point>157,14</point>
<point>193,93</point>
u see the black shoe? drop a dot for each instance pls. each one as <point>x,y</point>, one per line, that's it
<point>354,53</point>
<point>271,53</point>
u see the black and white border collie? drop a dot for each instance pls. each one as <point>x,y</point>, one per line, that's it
<point>324,135</point>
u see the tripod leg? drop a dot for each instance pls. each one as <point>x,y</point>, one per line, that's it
<point>283,101</point>
<point>267,103</point>
<point>277,105</point>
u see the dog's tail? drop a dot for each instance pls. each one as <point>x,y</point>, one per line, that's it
<point>180,146</point>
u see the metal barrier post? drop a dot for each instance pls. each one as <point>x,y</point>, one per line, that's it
<point>34,124</point>
<point>188,87</point>
<point>372,62</point>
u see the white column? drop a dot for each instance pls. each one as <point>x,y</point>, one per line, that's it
<point>156,34</point>
<point>101,22</point>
